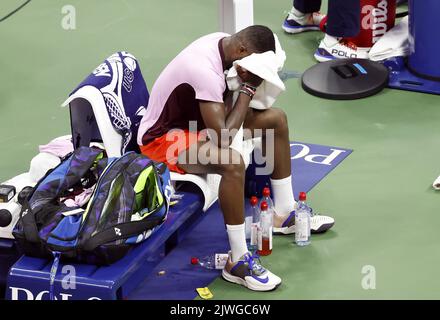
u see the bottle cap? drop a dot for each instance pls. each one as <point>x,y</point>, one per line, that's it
<point>302,196</point>
<point>194,260</point>
<point>254,201</point>
<point>266,192</point>
<point>264,206</point>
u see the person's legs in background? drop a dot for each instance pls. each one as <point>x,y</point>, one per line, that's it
<point>304,16</point>
<point>343,21</point>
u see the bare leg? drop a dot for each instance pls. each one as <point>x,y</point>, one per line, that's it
<point>231,191</point>
<point>275,119</point>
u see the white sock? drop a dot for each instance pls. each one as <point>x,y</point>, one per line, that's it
<point>283,199</point>
<point>295,14</point>
<point>237,240</point>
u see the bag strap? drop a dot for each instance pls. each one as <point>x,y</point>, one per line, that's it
<point>121,231</point>
<point>29,224</point>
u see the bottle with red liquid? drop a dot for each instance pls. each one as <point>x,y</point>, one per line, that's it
<point>265,235</point>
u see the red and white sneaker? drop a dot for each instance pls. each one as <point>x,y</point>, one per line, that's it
<point>332,48</point>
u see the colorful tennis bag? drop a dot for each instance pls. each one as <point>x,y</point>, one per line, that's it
<point>130,200</point>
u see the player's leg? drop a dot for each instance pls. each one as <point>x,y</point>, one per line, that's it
<point>281,179</point>
<point>205,157</point>
<point>274,121</point>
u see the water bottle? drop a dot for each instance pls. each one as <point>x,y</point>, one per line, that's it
<point>265,235</point>
<point>248,220</point>
<point>302,222</point>
<point>255,225</point>
<point>266,197</point>
<point>214,261</point>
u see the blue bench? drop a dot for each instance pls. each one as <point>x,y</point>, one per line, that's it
<point>28,278</point>
<point>8,256</point>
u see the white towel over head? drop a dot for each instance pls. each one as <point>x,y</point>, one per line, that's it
<point>265,65</point>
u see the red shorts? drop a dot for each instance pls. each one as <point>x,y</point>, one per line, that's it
<point>169,146</point>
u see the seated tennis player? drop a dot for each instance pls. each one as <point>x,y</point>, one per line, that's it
<point>192,90</point>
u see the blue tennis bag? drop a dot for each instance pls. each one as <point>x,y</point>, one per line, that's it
<point>130,200</point>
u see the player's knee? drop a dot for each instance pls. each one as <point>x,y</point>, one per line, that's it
<point>279,118</point>
<point>235,167</point>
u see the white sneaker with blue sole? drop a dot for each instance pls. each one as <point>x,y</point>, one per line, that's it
<point>331,48</point>
<point>249,272</point>
<point>297,22</point>
<point>318,224</point>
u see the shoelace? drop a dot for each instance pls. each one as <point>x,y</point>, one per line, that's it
<point>253,265</point>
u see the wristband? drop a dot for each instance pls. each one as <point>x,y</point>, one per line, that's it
<point>250,92</point>
<point>247,85</point>
<point>247,93</point>
<point>248,89</point>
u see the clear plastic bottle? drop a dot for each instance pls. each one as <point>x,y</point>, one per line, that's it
<point>255,225</point>
<point>248,220</point>
<point>266,197</point>
<point>265,235</point>
<point>214,261</point>
<point>302,222</point>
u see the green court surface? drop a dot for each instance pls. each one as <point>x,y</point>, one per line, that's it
<point>387,215</point>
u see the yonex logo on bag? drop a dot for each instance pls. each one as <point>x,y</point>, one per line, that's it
<point>118,232</point>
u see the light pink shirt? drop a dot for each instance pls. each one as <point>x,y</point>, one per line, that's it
<point>195,74</point>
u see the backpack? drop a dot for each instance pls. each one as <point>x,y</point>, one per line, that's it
<point>130,200</point>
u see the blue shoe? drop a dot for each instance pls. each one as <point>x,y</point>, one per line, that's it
<point>306,22</point>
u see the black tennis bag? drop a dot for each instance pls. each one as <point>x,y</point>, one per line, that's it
<point>130,200</point>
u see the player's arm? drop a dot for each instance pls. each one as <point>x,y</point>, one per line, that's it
<point>219,121</point>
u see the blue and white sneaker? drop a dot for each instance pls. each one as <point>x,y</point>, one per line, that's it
<point>248,272</point>
<point>318,223</point>
<point>297,22</point>
<point>332,48</point>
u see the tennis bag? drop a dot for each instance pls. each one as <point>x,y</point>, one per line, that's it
<point>130,200</point>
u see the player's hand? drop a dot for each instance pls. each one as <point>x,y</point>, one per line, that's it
<point>248,77</point>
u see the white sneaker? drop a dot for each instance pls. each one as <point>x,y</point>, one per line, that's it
<point>338,48</point>
<point>250,273</point>
<point>318,224</point>
<point>297,21</point>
